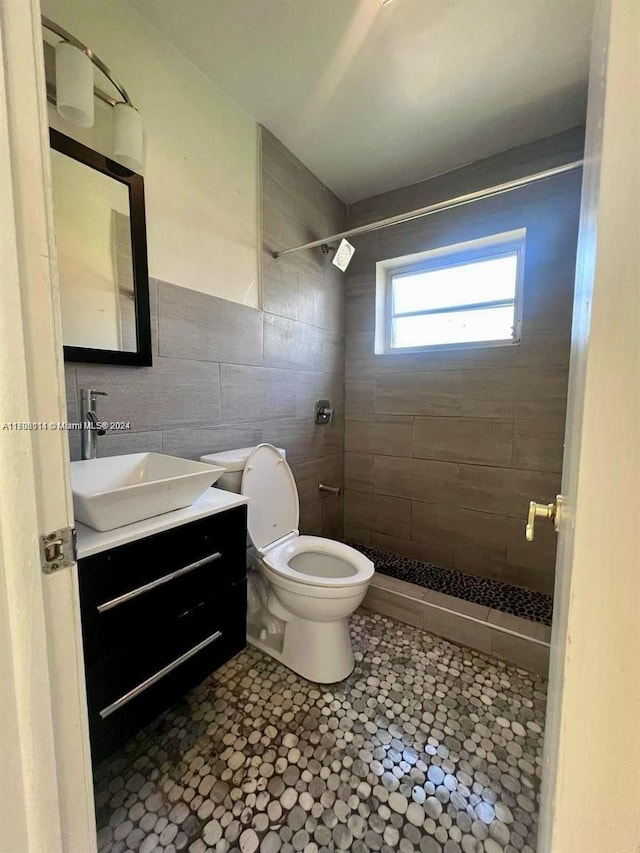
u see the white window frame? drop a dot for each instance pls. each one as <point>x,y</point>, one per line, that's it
<point>457,254</point>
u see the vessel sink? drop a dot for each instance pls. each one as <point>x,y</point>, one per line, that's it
<point>119,490</point>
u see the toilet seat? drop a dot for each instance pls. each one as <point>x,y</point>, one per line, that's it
<point>300,559</point>
<point>272,523</point>
<point>274,510</point>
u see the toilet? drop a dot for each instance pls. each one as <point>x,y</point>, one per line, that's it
<point>303,588</point>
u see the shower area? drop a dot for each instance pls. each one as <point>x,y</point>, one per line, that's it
<point>443,448</point>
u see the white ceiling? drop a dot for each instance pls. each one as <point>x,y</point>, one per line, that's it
<point>374,97</point>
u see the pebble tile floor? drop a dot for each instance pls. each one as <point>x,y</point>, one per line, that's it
<point>426,747</point>
<point>526,603</point>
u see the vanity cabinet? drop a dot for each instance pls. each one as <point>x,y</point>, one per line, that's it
<point>158,616</point>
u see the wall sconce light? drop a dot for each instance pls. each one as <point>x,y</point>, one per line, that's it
<point>74,85</point>
<point>127,136</point>
<point>74,92</point>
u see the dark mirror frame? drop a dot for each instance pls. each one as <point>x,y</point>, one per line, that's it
<point>135,184</point>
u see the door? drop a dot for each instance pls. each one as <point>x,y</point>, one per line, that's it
<point>45,783</point>
<point>591,781</point>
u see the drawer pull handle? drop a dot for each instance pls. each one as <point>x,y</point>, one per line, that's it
<point>157,676</point>
<point>147,587</point>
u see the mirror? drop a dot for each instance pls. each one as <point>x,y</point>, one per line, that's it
<point>98,210</point>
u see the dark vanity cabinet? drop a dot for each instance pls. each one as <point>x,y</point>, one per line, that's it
<point>158,616</point>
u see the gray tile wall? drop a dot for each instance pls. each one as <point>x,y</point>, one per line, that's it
<point>444,450</point>
<point>225,375</point>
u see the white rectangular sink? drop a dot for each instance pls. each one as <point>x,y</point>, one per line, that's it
<point>119,490</point>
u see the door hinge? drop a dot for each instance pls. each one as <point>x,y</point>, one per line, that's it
<point>58,549</point>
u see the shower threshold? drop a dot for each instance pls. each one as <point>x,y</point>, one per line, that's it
<point>504,621</point>
<point>535,606</point>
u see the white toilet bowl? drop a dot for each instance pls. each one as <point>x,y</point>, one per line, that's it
<point>315,584</point>
<point>312,584</point>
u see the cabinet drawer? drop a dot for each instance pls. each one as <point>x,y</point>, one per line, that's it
<point>129,591</point>
<point>131,687</point>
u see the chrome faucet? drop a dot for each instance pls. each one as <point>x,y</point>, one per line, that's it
<point>89,422</point>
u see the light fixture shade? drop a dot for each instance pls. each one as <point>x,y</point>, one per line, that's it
<point>74,85</point>
<point>127,137</point>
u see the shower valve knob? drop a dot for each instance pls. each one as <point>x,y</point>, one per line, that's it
<point>324,412</point>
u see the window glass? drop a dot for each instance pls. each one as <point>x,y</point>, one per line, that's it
<point>489,324</point>
<point>486,280</point>
<point>470,295</point>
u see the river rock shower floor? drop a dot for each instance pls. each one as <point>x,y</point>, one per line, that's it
<point>426,747</point>
<point>535,606</point>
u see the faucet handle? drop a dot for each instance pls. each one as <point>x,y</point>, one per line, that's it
<point>92,418</point>
<point>89,395</point>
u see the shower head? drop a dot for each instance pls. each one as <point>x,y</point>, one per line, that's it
<point>342,255</point>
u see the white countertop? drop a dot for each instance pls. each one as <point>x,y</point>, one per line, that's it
<point>213,501</point>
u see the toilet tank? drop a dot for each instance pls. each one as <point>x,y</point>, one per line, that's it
<point>233,461</point>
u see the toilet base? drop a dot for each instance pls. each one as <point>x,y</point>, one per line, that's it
<point>318,651</point>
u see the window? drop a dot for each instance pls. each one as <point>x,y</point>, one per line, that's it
<point>463,295</point>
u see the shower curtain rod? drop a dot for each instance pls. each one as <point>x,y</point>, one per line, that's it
<point>438,207</point>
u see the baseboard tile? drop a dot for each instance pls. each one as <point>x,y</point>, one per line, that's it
<point>512,643</point>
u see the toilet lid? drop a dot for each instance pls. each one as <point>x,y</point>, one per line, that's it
<point>273,510</point>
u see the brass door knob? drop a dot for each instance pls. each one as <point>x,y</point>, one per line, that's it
<point>536,510</point>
